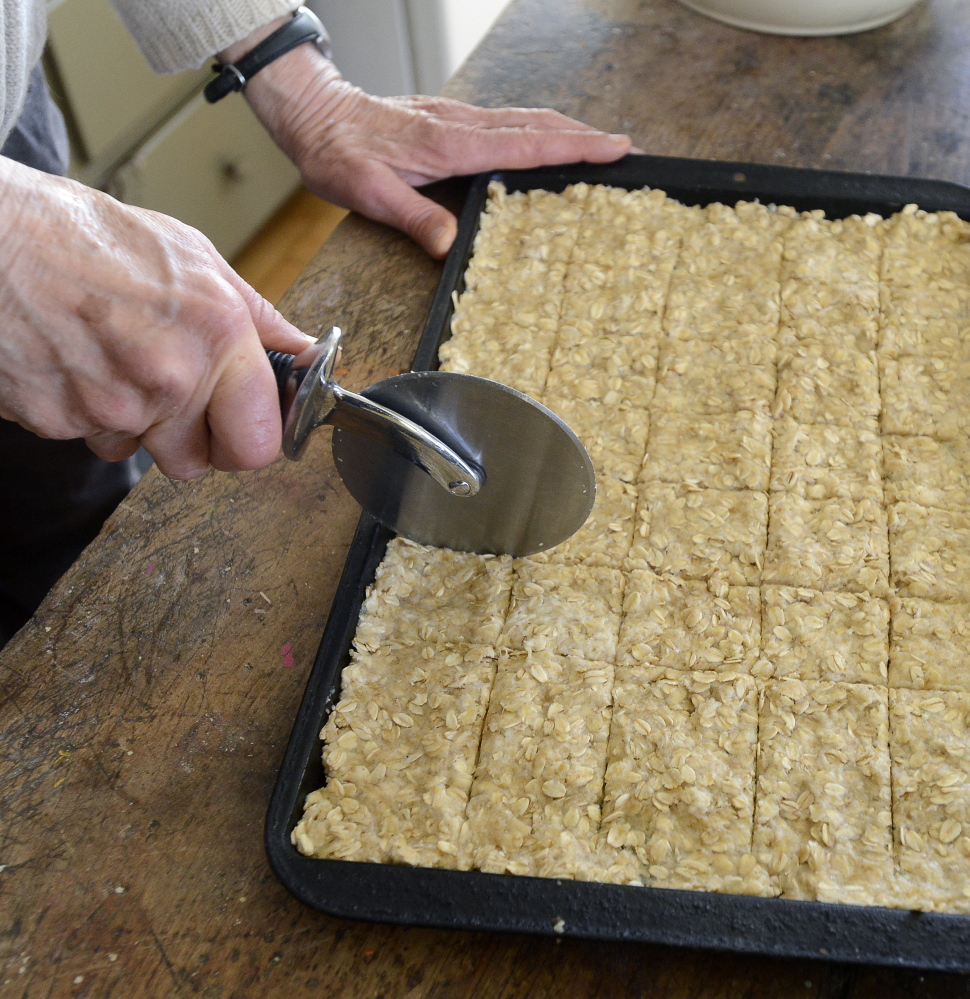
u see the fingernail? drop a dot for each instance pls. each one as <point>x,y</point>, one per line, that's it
<point>441,241</point>
<point>620,138</point>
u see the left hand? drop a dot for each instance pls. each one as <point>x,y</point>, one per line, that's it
<point>369,153</point>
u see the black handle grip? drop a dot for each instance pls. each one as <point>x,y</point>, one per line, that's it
<point>282,365</point>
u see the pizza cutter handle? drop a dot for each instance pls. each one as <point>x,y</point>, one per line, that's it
<point>310,397</point>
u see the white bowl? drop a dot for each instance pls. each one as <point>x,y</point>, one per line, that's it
<point>803,17</point>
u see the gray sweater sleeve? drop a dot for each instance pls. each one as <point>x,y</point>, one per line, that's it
<point>23,24</point>
<point>181,34</point>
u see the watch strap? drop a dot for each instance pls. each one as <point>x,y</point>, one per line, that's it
<point>304,26</point>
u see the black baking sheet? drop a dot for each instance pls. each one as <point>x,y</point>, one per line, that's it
<point>470,900</point>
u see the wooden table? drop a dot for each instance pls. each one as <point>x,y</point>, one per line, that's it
<point>145,709</point>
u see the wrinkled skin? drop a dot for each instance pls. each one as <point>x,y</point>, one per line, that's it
<point>125,327</point>
<point>122,325</point>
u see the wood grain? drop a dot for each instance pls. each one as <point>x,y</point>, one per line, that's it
<point>287,243</point>
<point>144,711</point>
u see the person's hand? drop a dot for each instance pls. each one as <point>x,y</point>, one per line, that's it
<point>368,153</point>
<point>123,326</point>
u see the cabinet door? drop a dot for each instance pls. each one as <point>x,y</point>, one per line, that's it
<point>114,96</point>
<point>213,167</point>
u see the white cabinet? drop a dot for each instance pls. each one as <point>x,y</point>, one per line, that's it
<point>113,97</point>
<point>212,166</point>
<point>152,141</point>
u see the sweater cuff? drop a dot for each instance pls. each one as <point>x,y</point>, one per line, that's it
<point>184,34</point>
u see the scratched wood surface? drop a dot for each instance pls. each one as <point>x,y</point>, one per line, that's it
<point>144,711</point>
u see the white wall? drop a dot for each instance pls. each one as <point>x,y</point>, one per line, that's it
<point>466,22</point>
<point>371,43</point>
<point>444,32</point>
<point>404,46</point>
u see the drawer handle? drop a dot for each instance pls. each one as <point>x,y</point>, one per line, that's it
<point>232,172</point>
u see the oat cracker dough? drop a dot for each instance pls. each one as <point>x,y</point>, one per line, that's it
<point>400,752</point>
<point>435,598</point>
<point>535,801</point>
<point>570,610</point>
<point>927,471</point>
<point>930,552</point>
<point>701,533</point>
<point>821,461</point>
<point>822,825</point>
<point>688,624</point>
<point>723,451</point>
<point>749,671</point>
<point>930,645</point>
<point>811,635</point>
<point>931,791</point>
<point>678,788</point>
<point>835,544</point>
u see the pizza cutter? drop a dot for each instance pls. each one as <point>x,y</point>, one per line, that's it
<point>442,458</point>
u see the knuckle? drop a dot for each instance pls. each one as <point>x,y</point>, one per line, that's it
<point>436,105</point>
<point>53,428</point>
<point>120,414</point>
<point>169,383</point>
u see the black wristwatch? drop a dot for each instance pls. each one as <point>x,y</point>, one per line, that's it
<point>304,26</point>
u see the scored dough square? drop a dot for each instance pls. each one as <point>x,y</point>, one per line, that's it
<point>533,255</point>
<point>611,370</point>
<point>399,750</point>
<point>906,329</point>
<point>615,437</point>
<point>931,797</point>
<point>930,645</point>
<point>822,825</point>
<point>679,788</point>
<point>930,552</point>
<point>927,396</point>
<point>846,322</point>
<point>524,366</point>
<point>505,323</point>
<point>606,536</point>
<point>534,806</point>
<point>810,635</point>
<point>928,472</point>
<point>570,610</point>
<point>534,225</point>
<point>830,281</point>
<point>820,461</point>
<point>827,380</point>
<point>637,233</point>
<point>597,308</point>
<point>724,451</point>
<point>731,272</point>
<point>436,597</point>
<point>926,251</point>
<point>835,544</point>
<point>839,259</point>
<point>681,624</point>
<point>701,533</point>
<point>926,284</point>
<point>695,376</point>
<point>503,268</point>
<point>552,237</point>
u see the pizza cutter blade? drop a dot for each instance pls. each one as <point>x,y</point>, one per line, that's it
<point>444,459</point>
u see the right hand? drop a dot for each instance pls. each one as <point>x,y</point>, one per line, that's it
<point>126,327</point>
